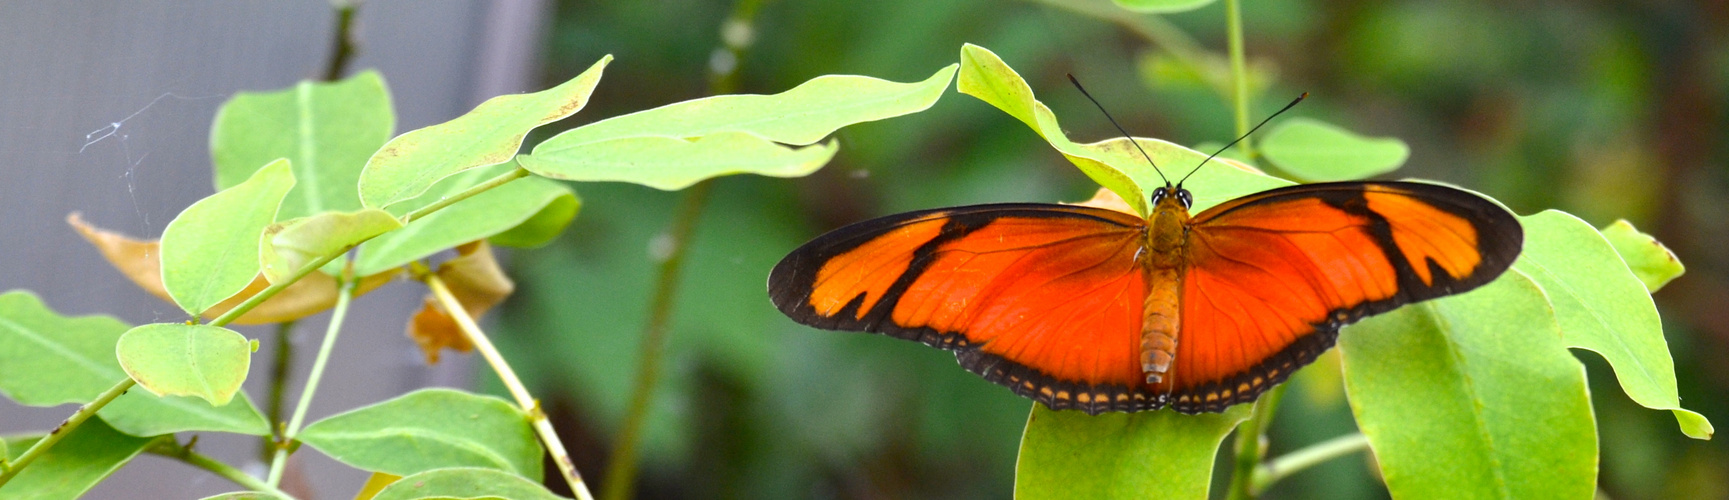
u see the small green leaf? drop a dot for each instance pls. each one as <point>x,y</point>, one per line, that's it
<point>325,130</point>
<point>175,359</point>
<point>430,429</point>
<point>1068,454</point>
<point>465,482</point>
<point>495,211</point>
<point>490,134</point>
<point>47,359</point>
<point>289,245</point>
<point>1313,150</point>
<point>542,227</point>
<point>1473,396</point>
<point>141,413</point>
<point>1162,6</point>
<point>74,465</point>
<point>210,251</point>
<point>1653,263</point>
<point>1604,308</point>
<point>801,116</point>
<point>671,163</point>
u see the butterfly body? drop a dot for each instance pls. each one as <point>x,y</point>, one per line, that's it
<point>1098,310</point>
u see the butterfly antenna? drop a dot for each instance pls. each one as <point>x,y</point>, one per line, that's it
<point>1120,129</point>
<point>1245,136</point>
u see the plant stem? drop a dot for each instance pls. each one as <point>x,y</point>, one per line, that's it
<point>1251,444</point>
<point>173,449</point>
<point>1155,29</point>
<point>1239,74</point>
<point>345,293</point>
<point>476,336</point>
<point>1291,463</point>
<point>60,432</point>
<point>503,178</point>
<point>621,476</point>
<point>342,48</point>
<point>278,384</point>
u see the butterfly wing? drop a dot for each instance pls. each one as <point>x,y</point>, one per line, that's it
<point>1273,276</point>
<point>1043,299</point>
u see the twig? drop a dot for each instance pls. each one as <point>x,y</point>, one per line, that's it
<point>78,417</point>
<point>1251,444</point>
<point>1293,462</point>
<point>278,385</point>
<point>476,336</point>
<point>345,293</point>
<point>173,449</point>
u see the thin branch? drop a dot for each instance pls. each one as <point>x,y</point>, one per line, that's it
<point>345,294</point>
<point>1239,74</point>
<point>173,449</point>
<point>1296,461</point>
<point>342,48</point>
<point>78,417</point>
<point>476,336</point>
<point>1251,444</point>
<point>506,177</point>
<point>284,362</point>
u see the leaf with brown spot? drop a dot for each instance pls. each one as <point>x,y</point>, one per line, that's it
<point>478,283</point>
<point>138,261</point>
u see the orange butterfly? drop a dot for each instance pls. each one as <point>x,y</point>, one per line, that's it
<point>1099,310</point>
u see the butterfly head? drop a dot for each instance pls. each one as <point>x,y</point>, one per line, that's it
<point>1178,194</point>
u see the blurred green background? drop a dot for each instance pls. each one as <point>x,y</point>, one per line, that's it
<point>1604,109</point>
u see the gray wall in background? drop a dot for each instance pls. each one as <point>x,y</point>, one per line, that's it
<point>163,67</point>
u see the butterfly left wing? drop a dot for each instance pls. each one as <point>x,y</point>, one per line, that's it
<point>1273,275</point>
<point>1043,299</point>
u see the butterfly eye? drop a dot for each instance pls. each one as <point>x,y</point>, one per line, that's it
<point>1184,198</point>
<point>1158,194</point>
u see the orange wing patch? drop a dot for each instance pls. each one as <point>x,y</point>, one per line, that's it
<point>1274,275</point>
<point>1043,299</point>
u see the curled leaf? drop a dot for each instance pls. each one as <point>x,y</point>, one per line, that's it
<point>478,283</point>
<point>1653,263</point>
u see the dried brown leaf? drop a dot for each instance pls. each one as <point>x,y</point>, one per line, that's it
<point>478,283</point>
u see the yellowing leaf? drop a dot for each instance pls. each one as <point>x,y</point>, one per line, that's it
<point>478,284</point>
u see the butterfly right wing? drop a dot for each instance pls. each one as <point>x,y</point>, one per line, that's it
<point>1043,299</point>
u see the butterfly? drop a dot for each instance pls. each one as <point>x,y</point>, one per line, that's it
<point>1099,310</point>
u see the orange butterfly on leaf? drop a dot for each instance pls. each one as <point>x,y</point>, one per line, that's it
<point>1100,310</point>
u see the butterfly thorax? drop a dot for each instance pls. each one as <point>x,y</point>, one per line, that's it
<point>1163,259</point>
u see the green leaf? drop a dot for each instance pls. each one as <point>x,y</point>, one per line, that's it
<point>674,146</point>
<point>210,250</point>
<point>1473,396</point>
<point>289,245</point>
<point>430,429</point>
<point>671,163</point>
<point>47,359</point>
<point>1313,150</point>
<point>496,211</point>
<point>176,359</point>
<point>325,130</point>
<point>85,457</point>
<point>1068,454</point>
<point>1604,308</point>
<point>141,413</point>
<point>1162,6</point>
<point>1653,263</point>
<point>545,225</point>
<point>490,134</point>
<point>801,116</point>
<point>465,482</point>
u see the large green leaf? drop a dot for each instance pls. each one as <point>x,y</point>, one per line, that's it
<point>490,134</point>
<point>1603,307</point>
<point>677,145</point>
<point>1649,259</point>
<point>1164,454</point>
<point>210,250</point>
<point>430,429</point>
<point>75,464</point>
<point>498,210</point>
<point>47,359</point>
<point>1473,396</point>
<point>143,414</point>
<point>289,245</point>
<point>801,116</point>
<point>465,483</point>
<point>1314,150</point>
<point>673,163</point>
<point>177,359</point>
<point>325,130</point>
